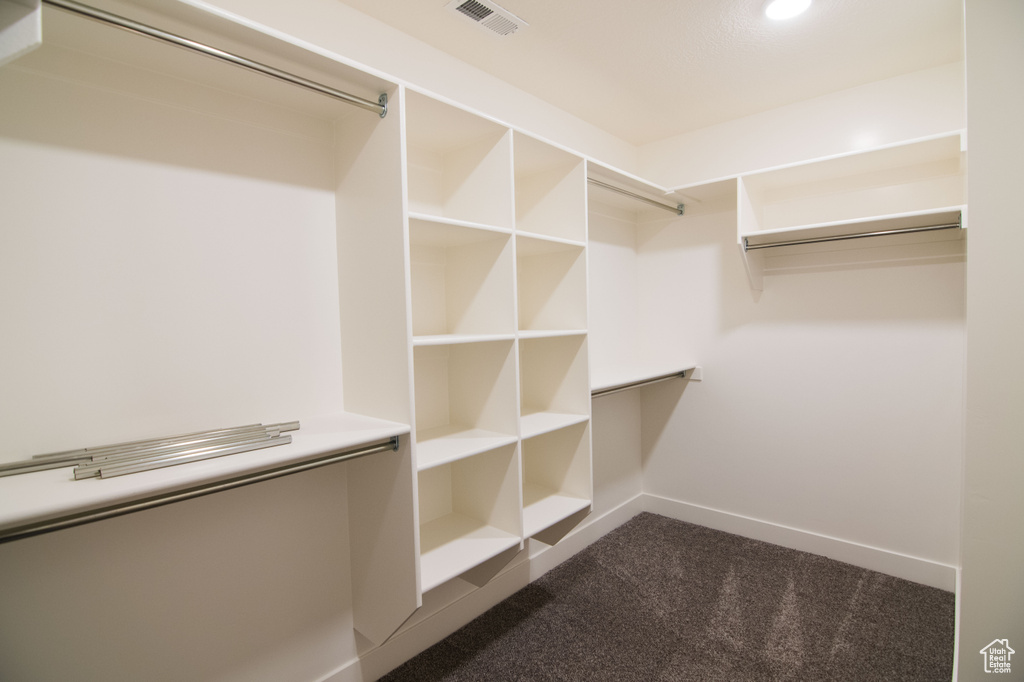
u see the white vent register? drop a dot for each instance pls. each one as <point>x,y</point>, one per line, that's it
<point>488,15</point>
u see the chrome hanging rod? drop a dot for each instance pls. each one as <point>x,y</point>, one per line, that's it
<point>677,209</point>
<point>82,518</point>
<point>380,106</point>
<point>818,240</point>
<point>637,384</point>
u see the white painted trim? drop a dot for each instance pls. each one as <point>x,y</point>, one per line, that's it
<point>912,568</point>
<point>374,663</point>
<point>956,629</point>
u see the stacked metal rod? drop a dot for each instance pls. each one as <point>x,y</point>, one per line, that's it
<point>127,458</point>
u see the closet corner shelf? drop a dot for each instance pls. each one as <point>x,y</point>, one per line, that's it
<point>535,423</point>
<point>857,228</point>
<point>445,444</point>
<point>453,544</point>
<point>46,495</point>
<point>623,377</point>
<point>543,508</point>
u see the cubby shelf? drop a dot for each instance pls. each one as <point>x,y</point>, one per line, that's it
<point>465,399</point>
<point>446,444</point>
<point>459,164</point>
<point>535,423</point>
<point>461,280</point>
<point>469,513</point>
<point>543,507</point>
<point>553,383</point>
<point>455,544</point>
<point>550,190</point>
<point>552,284</point>
<point>497,252</point>
<point>557,478</point>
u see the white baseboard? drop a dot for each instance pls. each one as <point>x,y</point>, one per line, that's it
<point>903,566</point>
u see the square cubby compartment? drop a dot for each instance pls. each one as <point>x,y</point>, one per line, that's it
<point>465,399</point>
<point>461,280</point>
<point>469,513</point>
<point>557,480</point>
<point>552,285</point>
<point>550,190</point>
<point>553,383</point>
<point>460,165</point>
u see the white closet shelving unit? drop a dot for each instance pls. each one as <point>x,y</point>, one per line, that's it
<point>900,187</point>
<point>497,251</point>
<point>623,351</point>
<point>188,245</point>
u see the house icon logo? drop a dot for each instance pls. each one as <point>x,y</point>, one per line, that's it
<point>997,656</point>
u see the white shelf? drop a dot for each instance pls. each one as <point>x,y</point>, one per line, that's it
<point>450,339</point>
<point>454,544</point>
<point>619,376</point>
<point>557,476</point>
<point>446,444</point>
<point>870,225</point>
<point>44,495</point>
<point>536,423</point>
<point>553,383</point>
<point>549,333</point>
<point>469,512</point>
<point>550,190</point>
<point>904,186</point>
<point>552,284</point>
<point>459,165</point>
<point>544,507</point>
<point>441,220</point>
<point>464,387</point>
<point>462,279</point>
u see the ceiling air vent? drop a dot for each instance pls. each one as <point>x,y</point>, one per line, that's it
<point>488,15</point>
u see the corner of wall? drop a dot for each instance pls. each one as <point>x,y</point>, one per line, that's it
<point>914,105</point>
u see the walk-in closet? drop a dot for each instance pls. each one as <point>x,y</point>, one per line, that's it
<point>320,340</point>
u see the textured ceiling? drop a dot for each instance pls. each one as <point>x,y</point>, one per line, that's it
<point>646,70</point>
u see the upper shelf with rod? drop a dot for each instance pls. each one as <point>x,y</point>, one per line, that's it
<point>208,50</point>
<point>909,192</point>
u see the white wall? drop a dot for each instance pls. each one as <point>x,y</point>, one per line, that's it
<point>992,597</point>
<point>919,104</point>
<point>831,402</point>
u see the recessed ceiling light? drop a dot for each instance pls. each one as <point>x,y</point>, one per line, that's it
<point>785,9</point>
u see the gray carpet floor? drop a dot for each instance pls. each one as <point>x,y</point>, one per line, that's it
<point>662,600</point>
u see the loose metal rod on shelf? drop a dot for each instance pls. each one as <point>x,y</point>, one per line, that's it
<point>598,393</point>
<point>677,209</point>
<point>120,509</point>
<point>175,449</point>
<point>92,460</point>
<point>380,106</point>
<point>144,462</point>
<point>843,237</point>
